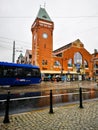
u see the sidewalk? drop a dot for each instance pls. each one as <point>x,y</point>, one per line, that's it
<point>68,117</point>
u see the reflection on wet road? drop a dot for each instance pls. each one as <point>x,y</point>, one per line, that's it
<point>48,86</point>
<point>38,95</point>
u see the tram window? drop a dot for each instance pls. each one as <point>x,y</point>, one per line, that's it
<point>35,72</point>
<point>8,72</point>
<point>28,72</point>
<point>24,72</point>
<point>1,71</point>
<point>20,72</point>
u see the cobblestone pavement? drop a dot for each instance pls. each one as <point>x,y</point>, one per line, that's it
<point>68,117</point>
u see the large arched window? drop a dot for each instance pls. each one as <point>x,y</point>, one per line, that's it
<point>77,58</point>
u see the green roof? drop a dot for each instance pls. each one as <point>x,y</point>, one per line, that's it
<point>42,14</point>
<point>21,55</point>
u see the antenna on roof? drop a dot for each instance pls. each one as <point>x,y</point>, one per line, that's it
<point>44,4</point>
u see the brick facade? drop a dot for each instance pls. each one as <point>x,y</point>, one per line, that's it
<point>67,59</point>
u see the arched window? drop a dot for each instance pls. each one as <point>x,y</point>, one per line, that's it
<point>77,58</point>
<point>85,64</point>
<point>57,63</point>
<point>70,63</point>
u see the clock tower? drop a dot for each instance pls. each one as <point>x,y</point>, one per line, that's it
<point>42,40</point>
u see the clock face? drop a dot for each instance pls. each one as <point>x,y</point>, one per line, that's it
<point>45,35</point>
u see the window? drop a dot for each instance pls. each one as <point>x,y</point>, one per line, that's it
<point>44,62</point>
<point>30,56</point>
<point>70,63</point>
<point>96,72</point>
<point>1,71</point>
<point>36,73</point>
<point>57,63</point>
<point>44,16</point>
<point>7,71</point>
<point>29,72</point>
<point>85,64</point>
<point>18,72</point>
<point>77,58</point>
<point>44,45</point>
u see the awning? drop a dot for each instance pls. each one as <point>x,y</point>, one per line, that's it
<point>57,72</point>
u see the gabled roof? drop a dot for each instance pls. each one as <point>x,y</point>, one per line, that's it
<point>76,43</point>
<point>29,51</point>
<point>62,48</point>
<point>42,14</point>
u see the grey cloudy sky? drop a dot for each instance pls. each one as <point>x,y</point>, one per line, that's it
<point>73,19</point>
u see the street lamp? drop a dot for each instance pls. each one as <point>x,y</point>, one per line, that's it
<point>62,67</point>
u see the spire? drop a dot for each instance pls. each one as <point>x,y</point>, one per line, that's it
<point>42,14</point>
<point>44,4</point>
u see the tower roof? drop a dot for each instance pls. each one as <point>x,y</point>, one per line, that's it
<point>21,55</point>
<point>42,14</point>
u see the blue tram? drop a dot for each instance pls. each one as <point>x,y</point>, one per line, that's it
<point>19,74</point>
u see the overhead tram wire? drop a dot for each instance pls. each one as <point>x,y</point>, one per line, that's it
<point>54,17</point>
<point>8,48</point>
<point>12,39</point>
<point>5,44</point>
<point>30,17</point>
<point>4,41</point>
<point>78,17</point>
<point>17,41</point>
<point>18,18</point>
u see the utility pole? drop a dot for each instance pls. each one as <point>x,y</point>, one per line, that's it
<point>13,56</point>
